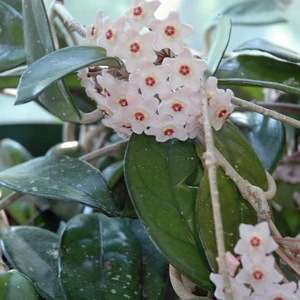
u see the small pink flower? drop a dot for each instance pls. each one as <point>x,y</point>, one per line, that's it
<point>231,262</point>
<point>140,113</point>
<point>279,292</point>
<point>255,241</point>
<point>93,31</point>
<point>141,12</point>
<point>134,46</point>
<point>186,70</point>
<point>261,275</point>
<point>104,80</point>
<point>110,34</point>
<point>239,290</point>
<point>170,32</point>
<point>121,125</point>
<point>168,129</point>
<point>151,79</point>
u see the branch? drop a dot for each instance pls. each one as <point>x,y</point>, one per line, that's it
<point>87,118</point>
<point>211,164</point>
<point>68,133</point>
<point>266,112</point>
<point>9,199</point>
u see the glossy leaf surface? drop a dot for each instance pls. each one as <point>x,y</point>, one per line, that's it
<point>62,178</point>
<point>34,252</point>
<point>154,265</point>
<point>58,64</point>
<point>271,48</point>
<point>266,136</point>
<point>14,285</point>
<point>11,38</point>
<point>250,70</point>
<point>38,42</point>
<point>219,45</point>
<point>155,175</point>
<point>100,259</point>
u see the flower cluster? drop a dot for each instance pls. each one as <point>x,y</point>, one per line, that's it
<point>258,271</point>
<point>158,89</point>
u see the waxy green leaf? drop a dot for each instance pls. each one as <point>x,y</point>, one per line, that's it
<point>11,38</point>
<point>99,259</point>
<point>219,45</point>
<point>34,252</point>
<point>261,71</point>
<point>58,64</point>
<point>266,136</point>
<point>62,178</point>
<point>38,42</point>
<point>155,175</point>
<point>271,48</point>
<point>15,285</point>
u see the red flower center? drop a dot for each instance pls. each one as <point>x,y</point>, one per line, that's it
<point>258,275</point>
<point>139,116</point>
<point>109,34</point>
<point>168,131</point>
<point>170,30</point>
<point>279,298</point>
<point>128,126</point>
<point>137,11</point>
<point>93,29</point>
<point>106,92</point>
<point>177,107</point>
<point>184,70</point>
<point>222,113</point>
<point>255,242</point>
<point>150,81</point>
<point>134,47</point>
<point>123,102</point>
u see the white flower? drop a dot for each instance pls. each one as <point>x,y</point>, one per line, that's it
<point>279,291</point>
<point>179,105</point>
<point>231,262</point>
<point>186,70</point>
<point>121,125</point>
<point>255,241</point>
<point>93,31</point>
<point>239,290</point>
<point>141,12</point>
<point>168,129</point>
<point>140,113</point>
<point>104,80</point>
<point>261,275</point>
<point>110,34</point>
<point>134,46</point>
<point>170,32</point>
<point>151,79</point>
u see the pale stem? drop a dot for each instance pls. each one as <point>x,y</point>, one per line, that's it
<point>105,151</point>
<point>10,199</point>
<point>87,118</point>
<point>68,134</point>
<point>283,256</point>
<point>211,164</point>
<point>51,16</point>
<point>266,112</point>
<point>14,72</point>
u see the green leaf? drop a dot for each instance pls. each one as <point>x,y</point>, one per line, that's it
<point>34,252</point>
<point>58,64</point>
<point>154,271</point>
<point>62,178</point>
<point>266,136</point>
<point>155,175</point>
<point>71,149</point>
<point>16,4</point>
<point>11,38</point>
<point>250,70</point>
<point>99,259</point>
<point>219,45</point>
<point>9,82</point>
<point>38,42</point>
<point>235,210</point>
<point>271,48</point>
<point>113,173</point>
<point>15,285</point>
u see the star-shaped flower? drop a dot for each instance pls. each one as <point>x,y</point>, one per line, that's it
<point>104,80</point>
<point>110,34</point>
<point>93,31</point>
<point>151,79</point>
<point>170,32</point>
<point>121,125</point>
<point>261,275</point>
<point>279,291</point>
<point>140,113</point>
<point>186,70</point>
<point>141,12</point>
<point>134,46</point>
<point>255,241</point>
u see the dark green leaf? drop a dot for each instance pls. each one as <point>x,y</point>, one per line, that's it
<point>15,285</point>
<point>99,259</point>
<point>62,178</point>
<point>71,149</point>
<point>266,136</point>
<point>154,265</point>
<point>155,175</point>
<point>38,42</point>
<point>16,4</point>
<point>274,49</point>
<point>9,82</point>
<point>11,38</point>
<point>58,64</point>
<point>113,173</point>
<point>34,252</point>
<point>219,45</point>
<point>250,70</point>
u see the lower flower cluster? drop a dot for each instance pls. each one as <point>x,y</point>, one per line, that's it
<point>258,279</point>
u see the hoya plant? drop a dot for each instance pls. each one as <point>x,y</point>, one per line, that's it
<point>169,181</point>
